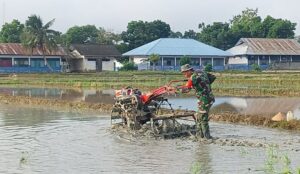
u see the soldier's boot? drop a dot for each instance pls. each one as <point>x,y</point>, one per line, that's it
<point>206,132</point>
<point>199,132</point>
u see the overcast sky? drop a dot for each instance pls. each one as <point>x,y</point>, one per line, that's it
<point>114,15</point>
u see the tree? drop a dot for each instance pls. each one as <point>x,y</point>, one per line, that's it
<point>37,35</point>
<point>184,60</point>
<point>248,24</point>
<point>176,34</point>
<point>81,34</point>
<point>11,32</point>
<point>122,47</point>
<point>282,29</point>
<point>139,32</point>
<point>154,58</point>
<point>278,28</point>
<point>191,34</point>
<point>218,35</point>
<point>107,37</point>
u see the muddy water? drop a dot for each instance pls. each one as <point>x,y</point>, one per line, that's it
<point>267,106</point>
<point>34,140</point>
<point>85,95</point>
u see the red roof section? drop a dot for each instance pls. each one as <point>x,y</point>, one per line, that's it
<point>19,49</point>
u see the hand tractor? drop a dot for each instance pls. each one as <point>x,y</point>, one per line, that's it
<point>134,110</point>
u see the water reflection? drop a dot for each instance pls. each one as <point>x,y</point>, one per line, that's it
<point>268,106</point>
<point>31,117</point>
<point>85,95</point>
<point>63,142</point>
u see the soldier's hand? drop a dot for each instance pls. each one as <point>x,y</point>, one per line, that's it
<point>171,89</point>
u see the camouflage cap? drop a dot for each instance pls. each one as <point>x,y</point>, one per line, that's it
<point>186,67</point>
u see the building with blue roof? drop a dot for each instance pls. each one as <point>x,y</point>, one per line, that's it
<point>171,50</point>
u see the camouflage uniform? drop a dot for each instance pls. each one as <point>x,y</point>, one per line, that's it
<point>202,87</point>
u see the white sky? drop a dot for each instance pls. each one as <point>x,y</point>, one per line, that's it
<point>114,15</point>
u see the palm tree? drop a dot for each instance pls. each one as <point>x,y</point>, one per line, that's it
<point>37,35</point>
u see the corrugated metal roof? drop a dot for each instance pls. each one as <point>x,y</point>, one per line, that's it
<point>18,49</point>
<point>176,47</point>
<point>96,49</point>
<point>263,46</point>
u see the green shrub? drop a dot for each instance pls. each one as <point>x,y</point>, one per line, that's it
<point>184,60</point>
<point>128,66</point>
<point>255,67</point>
<point>208,68</point>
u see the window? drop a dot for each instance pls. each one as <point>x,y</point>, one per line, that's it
<point>177,61</point>
<point>158,63</point>
<point>206,61</point>
<point>263,60</point>
<point>5,62</point>
<point>296,58</point>
<point>285,58</point>
<point>275,59</point>
<point>169,61</point>
<point>53,63</point>
<point>252,60</point>
<point>37,63</point>
<point>218,61</point>
<point>195,61</point>
<point>21,62</point>
<point>105,60</point>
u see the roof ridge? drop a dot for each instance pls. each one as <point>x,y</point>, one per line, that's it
<point>159,40</point>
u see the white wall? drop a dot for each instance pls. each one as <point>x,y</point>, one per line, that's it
<point>108,65</point>
<point>89,65</point>
<point>138,60</point>
<point>238,60</point>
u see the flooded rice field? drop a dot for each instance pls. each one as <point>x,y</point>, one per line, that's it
<point>267,106</point>
<point>35,140</point>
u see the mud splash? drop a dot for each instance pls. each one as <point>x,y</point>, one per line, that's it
<point>146,133</point>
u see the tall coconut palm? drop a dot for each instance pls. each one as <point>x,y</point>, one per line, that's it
<point>37,35</point>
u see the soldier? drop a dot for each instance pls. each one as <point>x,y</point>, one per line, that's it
<point>201,82</point>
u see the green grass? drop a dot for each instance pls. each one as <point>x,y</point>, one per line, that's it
<point>196,168</point>
<point>276,162</point>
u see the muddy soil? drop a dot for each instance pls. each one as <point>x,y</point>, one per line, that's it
<point>257,120</point>
<point>147,133</point>
<point>54,103</point>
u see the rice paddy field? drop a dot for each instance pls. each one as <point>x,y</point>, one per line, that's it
<point>49,118</point>
<point>227,83</point>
